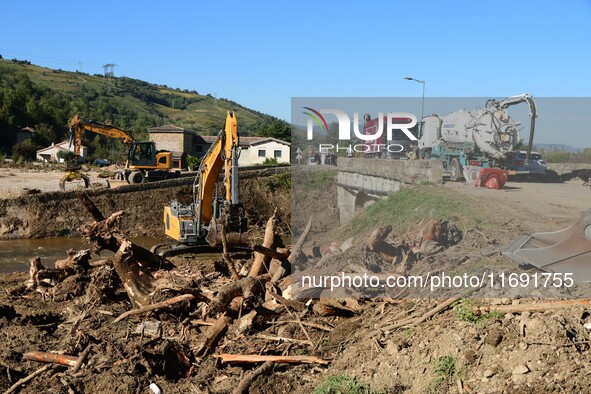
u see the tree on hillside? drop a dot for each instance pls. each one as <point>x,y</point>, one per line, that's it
<point>277,128</point>
<point>47,104</point>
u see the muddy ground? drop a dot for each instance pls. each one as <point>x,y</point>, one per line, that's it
<point>458,350</point>
<point>55,213</point>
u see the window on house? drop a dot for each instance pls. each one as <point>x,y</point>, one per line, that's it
<point>262,152</point>
<point>277,153</point>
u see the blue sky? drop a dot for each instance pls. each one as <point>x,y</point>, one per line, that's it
<point>261,53</point>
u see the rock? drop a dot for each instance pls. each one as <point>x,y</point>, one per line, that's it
<point>484,380</point>
<point>347,244</point>
<point>494,337</point>
<point>523,345</point>
<point>489,373</point>
<point>152,329</point>
<point>470,356</point>
<point>520,370</point>
<point>532,366</point>
<point>393,348</point>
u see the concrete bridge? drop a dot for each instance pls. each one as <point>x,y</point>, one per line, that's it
<point>360,182</point>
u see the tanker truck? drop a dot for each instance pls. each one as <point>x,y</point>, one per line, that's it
<point>484,137</point>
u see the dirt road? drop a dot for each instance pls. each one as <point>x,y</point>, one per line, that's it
<point>535,206</point>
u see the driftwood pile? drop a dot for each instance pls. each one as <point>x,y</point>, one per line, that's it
<point>136,314</point>
<point>187,317</point>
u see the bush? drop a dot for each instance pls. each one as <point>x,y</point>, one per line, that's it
<point>193,163</point>
<point>341,384</point>
<point>66,156</point>
<point>270,161</point>
<point>445,370</point>
<point>25,151</point>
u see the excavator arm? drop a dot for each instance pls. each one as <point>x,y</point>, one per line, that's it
<point>77,127</point>
<point>209,216</point>
<point>533,113</point>
<point>222,154</point>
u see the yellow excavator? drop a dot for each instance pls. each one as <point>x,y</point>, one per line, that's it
<point>144,162</point>
<point>209,216</point>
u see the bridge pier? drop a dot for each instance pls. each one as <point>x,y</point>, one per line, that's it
<point>360,182</point>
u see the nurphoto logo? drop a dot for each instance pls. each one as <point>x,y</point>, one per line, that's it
<point>402,121</point>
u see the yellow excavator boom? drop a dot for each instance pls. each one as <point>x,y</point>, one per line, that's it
<point>204,219</point>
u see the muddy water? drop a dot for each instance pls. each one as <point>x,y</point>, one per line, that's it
<point>15,254</point>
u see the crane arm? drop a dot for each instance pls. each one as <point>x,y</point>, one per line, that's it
<point>533,113</point>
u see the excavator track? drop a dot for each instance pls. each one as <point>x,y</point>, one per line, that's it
<point>170,250</point>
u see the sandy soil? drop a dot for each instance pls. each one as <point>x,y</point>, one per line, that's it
<point>14,181</point>
<point>536,206</point>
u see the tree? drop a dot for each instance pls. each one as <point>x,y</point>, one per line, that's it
<point>26,150</point>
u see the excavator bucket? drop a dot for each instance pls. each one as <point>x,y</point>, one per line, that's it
<point>564,251</point>
<point>233,238</point>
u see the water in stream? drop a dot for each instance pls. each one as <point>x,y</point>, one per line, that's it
<point>15,254</point>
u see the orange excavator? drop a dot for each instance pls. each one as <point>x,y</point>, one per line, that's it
<point>209,216</point>
<point>144,162</point>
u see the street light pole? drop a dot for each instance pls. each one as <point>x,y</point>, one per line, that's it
<point>423,99</point>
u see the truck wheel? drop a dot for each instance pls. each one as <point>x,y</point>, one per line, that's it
<point>136,177</point>
<point>456,170</point>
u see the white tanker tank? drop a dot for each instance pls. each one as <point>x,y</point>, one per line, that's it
<point>482,136</point>
<point>493,131</point>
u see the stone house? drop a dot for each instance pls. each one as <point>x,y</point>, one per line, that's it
<point>181,142</point>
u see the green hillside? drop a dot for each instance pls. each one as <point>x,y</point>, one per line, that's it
<point>45,99</point>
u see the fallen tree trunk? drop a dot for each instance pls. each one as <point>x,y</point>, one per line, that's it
<point>104,235</point>
<point>91,207</point>
<point>212,336</point>
<point>540,307</point>
<point>156,306</point>
<point>226,254</point>
<point>137,281</point>
<point>270,252</point>
<point>75,259</point>
<point>296,251</point>
<point>258,267</point>
<point>377,242</point>
<point>44,357</point>
<point>246,287</point>
<point>27,379</point>
<point>245,383</point>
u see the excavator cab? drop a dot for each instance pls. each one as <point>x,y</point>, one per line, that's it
<point>142,154</point>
